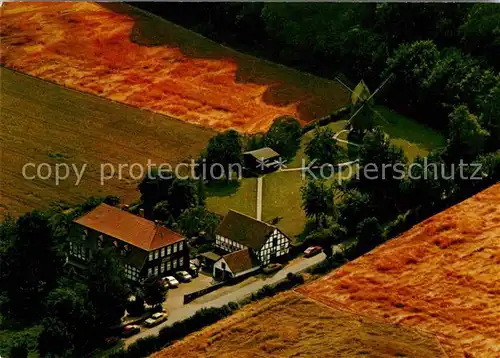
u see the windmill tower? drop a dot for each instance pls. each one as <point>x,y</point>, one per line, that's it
<point>362,106</point>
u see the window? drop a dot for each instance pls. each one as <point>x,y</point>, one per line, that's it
<point>175,248</point>
<point>77,250</point>
<point>174,264</point>
<point>156,254</point>
<point>181,261</point>
<point>168,266</point>
<point>162,252</point>
<point>169,250</point>
<point>151,256</point>
<point>156,270</point>
<point>275,241</point>
<point>162,267</point>
<point>180,246</point>
<point>132,273</point>
<point>150,271</point>
<point>100,240</point>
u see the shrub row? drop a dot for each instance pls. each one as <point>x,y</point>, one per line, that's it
<point>292,280</point>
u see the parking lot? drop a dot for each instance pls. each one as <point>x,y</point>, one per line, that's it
<point>175,297</point>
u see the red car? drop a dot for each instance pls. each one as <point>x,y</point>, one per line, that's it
<point>130,330</point>
<point>312,250</point>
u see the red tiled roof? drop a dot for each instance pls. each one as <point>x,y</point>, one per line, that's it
<point>129,228</point>
<point>239,261</point>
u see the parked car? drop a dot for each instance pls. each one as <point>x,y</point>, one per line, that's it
<point>156,319</point>
<point>272,268</point>
<point>312,250</point>
<point>170,281</point>
<point>130,330</point>
<point>193,270</point>
<point>184,276</point>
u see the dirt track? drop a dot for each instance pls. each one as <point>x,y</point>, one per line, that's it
<point>125,55</point>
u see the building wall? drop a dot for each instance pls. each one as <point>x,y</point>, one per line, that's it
<point>168,259</point>
<point>228,245</point>
<point>276,245</point>
<point>138,262</point>
<point>221,264</point>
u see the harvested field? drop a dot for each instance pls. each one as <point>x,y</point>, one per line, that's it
<point>126,55</point>
<point>442,276</point>
<point>45,123</point>
<point>290,325</point>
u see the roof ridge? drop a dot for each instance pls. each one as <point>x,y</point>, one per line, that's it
<point>250,217</point>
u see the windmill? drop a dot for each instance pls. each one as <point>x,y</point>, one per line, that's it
<point>363,111</point>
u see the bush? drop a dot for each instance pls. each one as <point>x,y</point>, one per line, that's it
<point>294,278</point>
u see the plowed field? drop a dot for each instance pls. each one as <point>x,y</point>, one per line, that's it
<point>126,55</point>
<point>442,276</point>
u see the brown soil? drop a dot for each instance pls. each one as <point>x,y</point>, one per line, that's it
<point>125,55</point>
<point>442,276</point>
<point>290,325</point>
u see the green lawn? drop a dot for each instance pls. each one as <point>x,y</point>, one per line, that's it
<point>240,196</point>
<point>414,137</point>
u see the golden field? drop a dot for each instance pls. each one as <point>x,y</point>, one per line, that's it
<point>123,54</point>
<point>442,276</point>
<point>290,325</point>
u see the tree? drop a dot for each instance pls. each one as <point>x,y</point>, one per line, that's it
<point>382,167</point>
<point>323,147</point>
<point>154,291</point>
<point>354,208</point>
<point>481,32</point>
<point>155,188</point>
<point>66,317</point>
<point>161,211</point>
<point>182,195</point>
<point>317,199</point>
<point>284,136</point>
<point>369,233</point>
<point>411,64</point>
<point>490,116</point>
<point>135,307</point>
<point>466,138</point>
<point>225,149</point>
<point>326,237</point>
<point>31,266</point>
<point>107,288</point>
<point>195,220</point>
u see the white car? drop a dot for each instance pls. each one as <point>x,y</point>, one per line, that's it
<point>156,319</point>
<point>170,281</point>
<point>184,276</point>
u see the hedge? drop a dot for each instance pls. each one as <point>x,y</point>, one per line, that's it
<point>333,117</point>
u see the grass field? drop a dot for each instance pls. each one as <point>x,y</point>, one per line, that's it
<point>290,325</point>
<point>240,196</point>
<point>440,277</point>
<point>45,123</point>
<point>126,55</point>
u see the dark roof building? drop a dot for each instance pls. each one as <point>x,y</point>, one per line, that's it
<point>245,230</point>
<point>261,160</point>
<point>240,261</point>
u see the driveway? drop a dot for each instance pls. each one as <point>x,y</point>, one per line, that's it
<point>238,292</point>
<point>175,298</point>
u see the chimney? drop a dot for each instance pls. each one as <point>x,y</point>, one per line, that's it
<point>141,213</point>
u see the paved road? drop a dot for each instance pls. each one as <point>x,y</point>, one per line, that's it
<point>259,198</point>
<point>239,294</point>
<point>336,137</point>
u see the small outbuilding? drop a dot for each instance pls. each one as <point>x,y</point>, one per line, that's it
<point>261,160</point>
<point>235,264</point>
